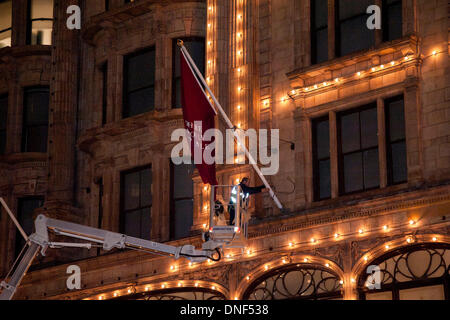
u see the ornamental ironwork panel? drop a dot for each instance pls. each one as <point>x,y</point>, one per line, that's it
<point>296,282</point>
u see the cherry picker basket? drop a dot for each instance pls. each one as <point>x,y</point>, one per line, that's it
<point>226,201</point>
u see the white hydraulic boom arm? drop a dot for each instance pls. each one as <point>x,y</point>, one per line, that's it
<point>109,240</point>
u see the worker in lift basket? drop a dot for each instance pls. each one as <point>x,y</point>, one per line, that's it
<point>246,191</point>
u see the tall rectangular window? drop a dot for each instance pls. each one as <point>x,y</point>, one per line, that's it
<point>319,31</point>
<point>35,119</point>
<point>104,71</point>
<point>321,158</point>
<point>395,140</point>
<point>5,23</point>
<point>139,83</point>
<point>3,119</point>
<point>25,210</point>
<point>392,19</point>
<point>182,200</point>
<point>358,143</point>
<point>351,29</point>
<point>136,196</point>
<point>196,48</point>
<point>40,22</point>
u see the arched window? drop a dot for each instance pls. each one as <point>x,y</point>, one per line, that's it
<point>296,282</point>
<point>177,294</point>
<point>420,272</point>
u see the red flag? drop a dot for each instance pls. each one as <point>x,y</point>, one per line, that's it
<point>198,117</point>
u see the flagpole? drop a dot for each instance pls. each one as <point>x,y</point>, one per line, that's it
<point>229,123</point>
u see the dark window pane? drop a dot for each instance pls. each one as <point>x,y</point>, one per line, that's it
<point>351,8</point>
<point>183,218</point>
<point>371,169</point>
<point>395,140</point>
<point>399,166</point>
<point>392,20</point>
<point>146,224</point>
<point>353,173</point>
<point>369,128</point>
<point>139,83</point>
<point>321,158</point>
<point>141,101</point>
<point>131,190</point>
<point>320,50</point>
<point>133,223</point>
<point>355,36</point>
<point>319,9</point>
<point>146,188</point>
<point>350,133</point>
<point>141,69</point>
<point>396,118</point>
<point>182,200</point>
<point>322,132</point>
<point>325,181</point>
<point>25,210</point>
<point>137,203</point>
<point>319,31</point>
<point>196,48</point>
<point>35,119</point>
<point>36,138</point>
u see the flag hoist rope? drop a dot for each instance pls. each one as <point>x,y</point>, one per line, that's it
<point>227,120</point>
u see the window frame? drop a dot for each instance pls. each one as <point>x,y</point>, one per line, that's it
<point>18,237</point>
<point>173,201</point>
<point>316,160</point>
<point>30,22</point>
<point>123,212</point>
<point>125,92</point>
<point>25,126</point>
<point>361,150</point>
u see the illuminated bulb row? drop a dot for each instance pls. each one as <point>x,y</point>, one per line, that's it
<point>358,74</point>
<point>336,236</point>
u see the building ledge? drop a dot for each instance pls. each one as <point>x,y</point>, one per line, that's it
<point>24,51</point>
<point>316,78</point>
<point>91,137</point>
<point>15,158</point>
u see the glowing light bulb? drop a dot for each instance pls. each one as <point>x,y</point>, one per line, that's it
<point>292,92</point>
<point>284,260</point>
<point>196,284</point>
<point>336,80</point>
<point>324,83</point>
<point>327,265</point>
<point>434,239</point>
<point>341,281</point>
<point>100,298</point>
<point>352,280</point>
<point>306,89</point>
<point>373,69</point>
<point>336,235</point>
<point>366,258</point>
<point>213,287</point>
<point>386,246</point>
<point>239,107</point>
<point>205,188</point>
<point>115,294</point>
<point>361,231</point>
<point>358,73</point>
<point>409,240</point>
<point>411,222</point>
<point>315,86</point>
<point>406,58</point>
<point>434,52</point>
<point>392,63</point>
<point>266,267</point>
<point>209,43</point>
<point>239,70</point>
<point>313,240</point>
<point>239,125</point>
<point>190,264</point>
<point>385,228</point>
<point>382,66</point>
<point>210,8</point>
<point>147,288</point>
<point>129,291</point>
<point>291,244</point>
<point>172,267</point>
<point>305,260</point>
<point>209,61</point>
<point>180,284</point>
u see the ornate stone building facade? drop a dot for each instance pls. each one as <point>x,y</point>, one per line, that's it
<point>364,117</point>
